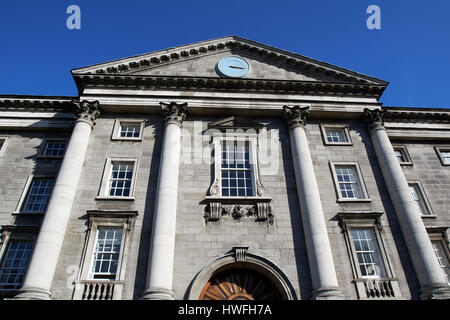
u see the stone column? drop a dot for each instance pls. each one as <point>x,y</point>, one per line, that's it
<point>161,257</point>
<point>41,270</point>
<point>428,271</point>
<point>323,273</point>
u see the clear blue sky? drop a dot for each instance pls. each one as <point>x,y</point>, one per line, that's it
<point>411,51</point>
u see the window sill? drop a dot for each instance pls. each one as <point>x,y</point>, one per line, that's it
<point>428,216</point>
<point>239,207</point>
<point>353,200</point>
<point>338,144</point>
<point>31,213</point>
<point>127,139</point>
<point>115,198</point>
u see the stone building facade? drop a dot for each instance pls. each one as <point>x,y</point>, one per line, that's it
<point>221,170</point>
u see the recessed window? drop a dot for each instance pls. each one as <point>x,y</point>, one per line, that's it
<point>106,253</point>
<point>236,170</point>
<point>368,253</point>
<point>118,179</point>
<point>348,181</point>
<point>336,134</point>
<point>54,149</point>
<point>121,178</point>
<point>442,257</point>
<point>15,263</point>
<point>128,129</point>
<point>402,155</point>
<point>38,195</point>
<point>444,155</point>
<point>419,198</point>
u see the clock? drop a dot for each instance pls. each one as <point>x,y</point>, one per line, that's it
<point>234,67</point>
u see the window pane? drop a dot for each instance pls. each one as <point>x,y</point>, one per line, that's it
<point>120,180</point>
<point>349,183</point>
<point>54,148</point>
<point>106,253</point>
<point>237,172</point>
<point>445,155</point>
<point>442,258</point>
<point>336,135</point>
<point>368,253</point>
<point>130,129</point>
<point>15,263</point>
<point>418,198</point>
<point>401,157</point>
<point>38,195</point>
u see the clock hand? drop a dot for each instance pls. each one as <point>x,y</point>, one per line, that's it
<point>235,67</point>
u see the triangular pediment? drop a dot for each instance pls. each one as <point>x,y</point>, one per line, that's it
<point>235,122</point>
<point>200,60</point>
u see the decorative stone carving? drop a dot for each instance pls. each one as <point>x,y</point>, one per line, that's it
<point>374,118</point>
<point>87,110</point>
<point>240,253</point>
<point>174,112</point>
<point>214,189</point>
<point>295,116</point>
<point>260,209</point>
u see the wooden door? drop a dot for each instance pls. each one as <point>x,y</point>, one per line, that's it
<point>239,284</point>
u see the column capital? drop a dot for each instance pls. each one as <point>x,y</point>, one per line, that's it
<point>87,111</point>
<point>174,112</point>
<point>295,115</point>
<point>374,118</point>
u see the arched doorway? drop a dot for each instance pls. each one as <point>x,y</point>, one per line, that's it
<point>239,284</point>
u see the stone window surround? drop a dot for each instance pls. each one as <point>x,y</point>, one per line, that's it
<point>18,233</point>
<point>25,191</point>
<point>362,184</point>
<point>260,203</point>
<point>345,127</point>
<point>103,193</point>
<point>438,150</point>
<point>408,161</point>
<point>105,218</point>
<point>5,142</point>
<point>424,196</point>
<point>116,129</point>
<point>362,219</point>
<point>44,145</point>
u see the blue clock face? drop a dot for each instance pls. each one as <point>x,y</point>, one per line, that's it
<point>234,67</point>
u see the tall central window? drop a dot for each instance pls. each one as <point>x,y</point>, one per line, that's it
<point>237,169</point>
<point>106,253</point>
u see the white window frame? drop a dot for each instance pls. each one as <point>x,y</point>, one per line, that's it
<point>344,127</point>
<point>117,129</point>
<point>5,143</point>
<point>405,153</point>
<point>444,246</point>
<point>25,192</point>
<point>424,198</point>
<point>44,148</point>
<point>104,187</point>
<point>217,142</point>
<point>362,184</point>
<point>440,149</point>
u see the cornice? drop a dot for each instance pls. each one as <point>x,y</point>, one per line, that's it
<point>268,53</point>
<point>228,84</point>
<point>416,114</point>
<point>36,103</point>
